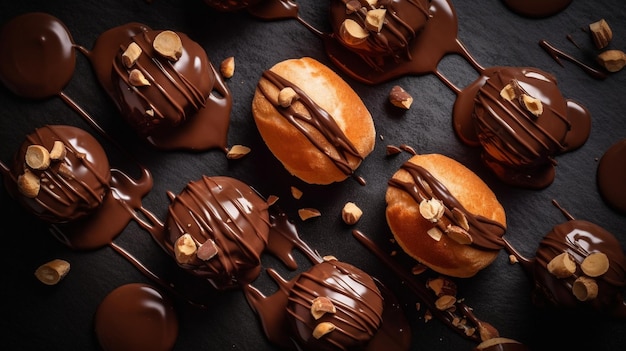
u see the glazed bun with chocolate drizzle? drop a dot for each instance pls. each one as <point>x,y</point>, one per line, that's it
<point>164,85</point>
<point>312,121</point>
<point>444,216</point>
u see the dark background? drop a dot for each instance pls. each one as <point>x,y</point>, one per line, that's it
<point>39,317</point>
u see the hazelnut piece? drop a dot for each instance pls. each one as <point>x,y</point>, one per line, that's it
<point>595,265</point>
<point>227,67</point>
<point>435,233</point>
<point>612,60</point>
<point>308,213</point>
<point>37,157</point>
<point>601,33</point>
<point>169,45</point>
<point>445,302</point>
<point>28,184</point>
<point>400,97</point>
<point>351,213</point>
<point>58,150</point>
<point>508,92</point>
<point>585,288</point>
<point>137,79</point>
<point>533,105</point>
<point>352,33</point>
<point>459,235</point>
<point>185,248</point>
<point>131,54</point>
<point>562,266</point>
<point>432,209</point>
<point>237,151</point>
<point>50,273</point>
<point>323,329</point>
<point>374,19</point>
<point>287,96</point>
<point>322,305</point>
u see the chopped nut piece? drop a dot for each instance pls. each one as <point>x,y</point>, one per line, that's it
<point>432,209</point>
<point>601,33</point>
<point>461,219</point>
<point>351,213</point>
<point>585,288</point>
<point>595,265</point>
<point>307,213</point>
<point>287,96</point>
<point>207,250</point>
<point>444,302</point>
<point>28,184</point>
<point>168,44</point>
<point>65,171</point>
<point>352,33</point>
<point>227,67</point>
<point>272,199</point>
<point>50,273</point>
<point>442,286</point>
<point>329,258</point>
<point>353,6</point>
<point>322,305</point>
<point>37,157</point>
<point>513,259</point>
<point>131,54</point>
<point>400,97</point>
<point>237,151</point>
<point>137,79</point>
<point>185,249</point>
<point>374,19</point>
<point>58,150</point>
<point>459,235</point>
<point>434,233</point>
<point>508,92</point>
<point>323,329</point>
<point>296,193</point>
<point>562,266</point>
<point>612,60</point>
<point>393,150</point>
<point>533,105</point>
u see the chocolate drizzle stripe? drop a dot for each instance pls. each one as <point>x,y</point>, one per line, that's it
<point>320,119</point>
<point>486,233</point>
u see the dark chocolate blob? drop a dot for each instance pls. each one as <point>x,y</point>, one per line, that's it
<point>136,317</point>
<point>537,8</point>
<point>38,57</point>
<point>611,176</point>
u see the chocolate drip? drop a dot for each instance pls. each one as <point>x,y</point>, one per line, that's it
<point>486,233</point>
<point>320,119</point>
<point>556,54</point>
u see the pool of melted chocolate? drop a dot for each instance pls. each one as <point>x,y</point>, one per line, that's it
<point>49,79</point>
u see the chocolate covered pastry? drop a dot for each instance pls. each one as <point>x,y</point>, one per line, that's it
<point>312,121</point>
<point>444,216</point>
<point>331,306</point>
<point>217,228</point>
<point>164,85</point>
<point>578,266</point>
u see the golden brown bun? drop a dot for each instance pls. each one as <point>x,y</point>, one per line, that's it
<point>409,227</point>
<point>299,156</point>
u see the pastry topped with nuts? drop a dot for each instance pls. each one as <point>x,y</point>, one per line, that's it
<point>312,120</point>
<point>331,306</point>
<point>578,265</point>
<point>522,122</point>
<point>444,216</point>
<point>60,174</point>
<point>164,85</point>
<point>378,28</point>
<point>217,228</point>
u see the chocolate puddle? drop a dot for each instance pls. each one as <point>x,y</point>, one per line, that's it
<point>611,176</point>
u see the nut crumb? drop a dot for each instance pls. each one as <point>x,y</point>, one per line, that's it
<point>308,213</point>
<point>50,273</point>
<point>400,97</point>
<point>351,213</point>
<point>227,67</point>
<point>237,151</point>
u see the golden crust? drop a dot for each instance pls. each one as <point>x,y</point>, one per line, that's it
<point>300,156</point>
<point>409,228</point>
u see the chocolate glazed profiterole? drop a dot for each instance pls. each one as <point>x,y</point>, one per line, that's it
<point>578,266</point>
<point>164,85</point>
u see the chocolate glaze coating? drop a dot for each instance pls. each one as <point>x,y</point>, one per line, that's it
<point>404,20</point>
<point>71,188</point>
<point>579,239</point>
<point>518,146</point>
<point>231,214</point>
<point>178,110</point>
<point>367,315</point>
